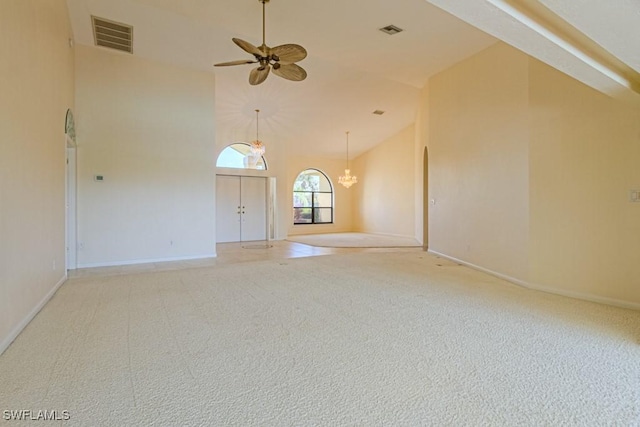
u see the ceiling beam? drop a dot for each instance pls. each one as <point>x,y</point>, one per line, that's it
<point>538,31</point>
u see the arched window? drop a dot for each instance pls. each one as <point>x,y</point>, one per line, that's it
<point>239,156</point>
<point>312,198</point>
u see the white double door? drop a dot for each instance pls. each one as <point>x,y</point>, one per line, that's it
<point>241,208</point>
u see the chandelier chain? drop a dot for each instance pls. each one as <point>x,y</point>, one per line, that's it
<point>347,149</point>
<point>257,125</point>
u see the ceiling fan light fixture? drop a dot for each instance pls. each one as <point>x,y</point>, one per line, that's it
<point>391,30</point>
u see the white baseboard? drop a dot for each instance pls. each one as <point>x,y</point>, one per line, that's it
<point>548,289</point>
<point>587,297</point>
<point>484,270</point>
<point>6,342</point>
<point>145,261</point>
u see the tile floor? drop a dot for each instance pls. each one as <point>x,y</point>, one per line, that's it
<point>232,253</point>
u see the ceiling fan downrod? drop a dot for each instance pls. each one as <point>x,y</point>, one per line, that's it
<point>264,43</point>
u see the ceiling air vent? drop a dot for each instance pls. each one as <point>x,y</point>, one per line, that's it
<point>378,112</point>
<point>391,30</point>
<point>113,35</point>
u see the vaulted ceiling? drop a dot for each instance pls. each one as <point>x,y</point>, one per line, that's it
<point>353,68</point>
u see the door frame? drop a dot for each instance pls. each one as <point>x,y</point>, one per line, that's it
<point>270,198</point>
<point>71,256</point>
<point>425,199</point>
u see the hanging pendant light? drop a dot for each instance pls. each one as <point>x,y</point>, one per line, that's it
<point>347,179</point>
<point>257,148</point>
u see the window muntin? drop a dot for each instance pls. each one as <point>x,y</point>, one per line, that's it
<point>312,198</point>
<point>238,156</point>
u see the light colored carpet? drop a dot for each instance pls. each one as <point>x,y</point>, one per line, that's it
<point>355,240</point>
<point>358,339</point>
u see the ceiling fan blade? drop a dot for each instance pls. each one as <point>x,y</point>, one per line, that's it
<point>239,62</point>
<point>259,74</point>
<point>248,47</point>
<point>289,53</point>
<point>290,72</point>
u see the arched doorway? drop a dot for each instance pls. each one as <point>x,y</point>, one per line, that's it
<point>425,199</point>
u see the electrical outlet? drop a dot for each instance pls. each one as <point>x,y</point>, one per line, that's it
<point>54,265</point>
<point>80,245</point>
<point>634,196</point>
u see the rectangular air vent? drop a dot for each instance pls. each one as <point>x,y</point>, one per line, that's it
<point>113,35</point>
<point>378,112</point>
<point>391,29</point>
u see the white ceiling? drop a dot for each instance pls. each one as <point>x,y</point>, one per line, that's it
<point>353,69</point>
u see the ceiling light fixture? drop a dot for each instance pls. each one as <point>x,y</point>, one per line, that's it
<point>347,179</point>
<point>257,147</point>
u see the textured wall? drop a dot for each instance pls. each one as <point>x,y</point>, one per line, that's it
<point>37,89</point>
<point>421,143</point>
<point>585,147</point>
<point>148,128</point>
<point>479,164</point>
<point>384,196</point>
<point>531,173</point>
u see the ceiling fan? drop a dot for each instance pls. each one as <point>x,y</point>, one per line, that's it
<point>282,59</point>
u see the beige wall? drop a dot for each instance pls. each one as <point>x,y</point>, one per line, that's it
<point>421,177</point>
<point>342,213</point>
<point>384,197</point>
<point>36,83</point>
<point>479,164</point>
<point>148,128</point>
<point>531,171</point>
<point>585,151</point>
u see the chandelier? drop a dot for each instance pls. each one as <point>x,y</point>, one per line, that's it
<point>257,147</point>
<point>347,179</point>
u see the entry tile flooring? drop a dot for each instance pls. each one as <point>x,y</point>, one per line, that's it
<point>232,253</point>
